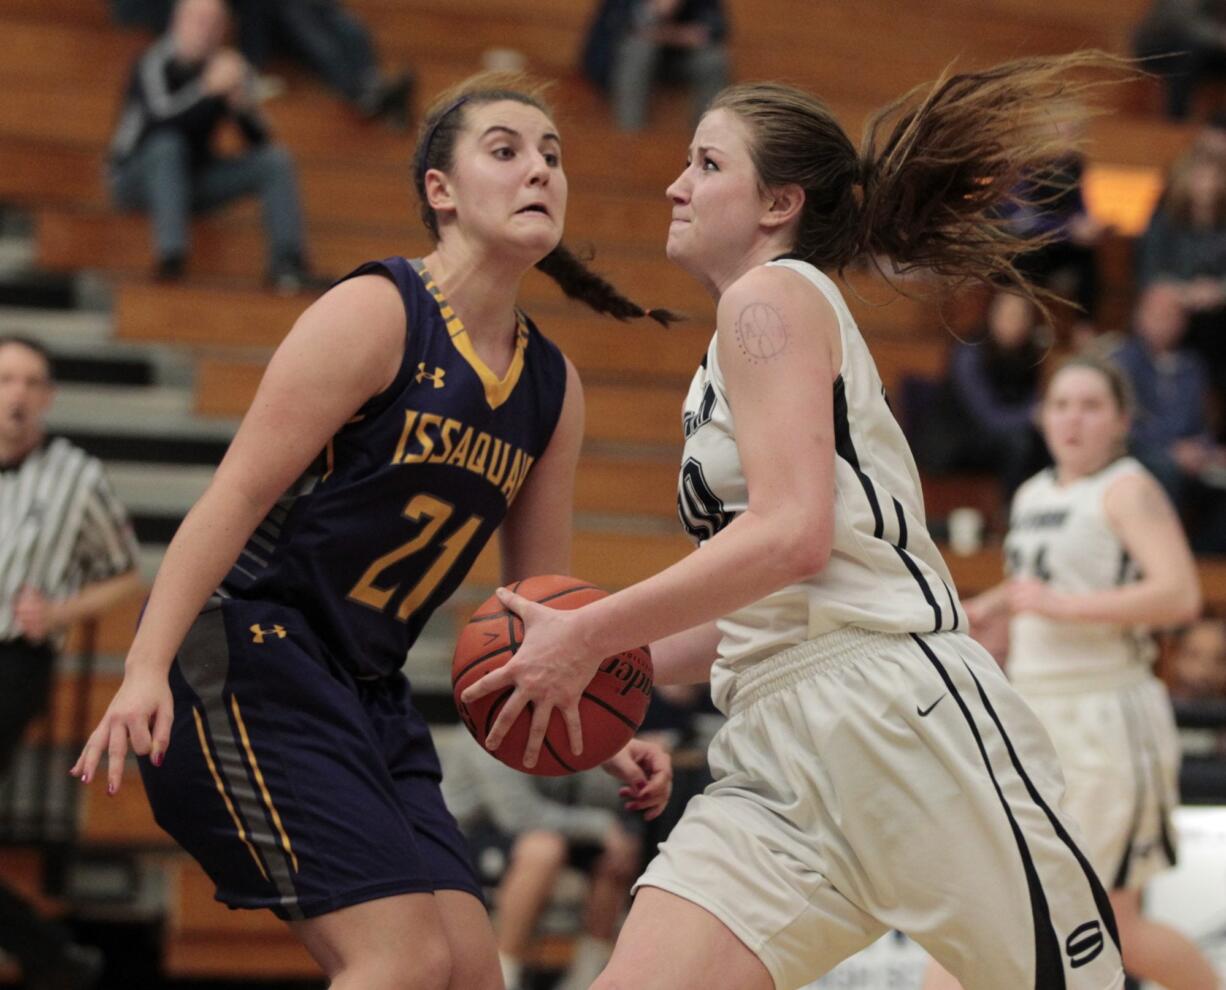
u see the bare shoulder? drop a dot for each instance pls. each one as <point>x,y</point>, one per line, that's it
<point>1136,495</point>
<point>770,311</point>
<point>366,301</point>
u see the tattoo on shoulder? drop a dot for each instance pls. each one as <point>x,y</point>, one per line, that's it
<point>761,333</point>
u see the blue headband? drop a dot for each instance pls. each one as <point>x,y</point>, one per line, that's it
<point>423,149</point>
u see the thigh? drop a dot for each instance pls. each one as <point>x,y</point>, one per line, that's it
<point>670,943</point>
<point>226,179</point>
<point>989,876</point>
<point>274,780</point>
<point>470,940</point>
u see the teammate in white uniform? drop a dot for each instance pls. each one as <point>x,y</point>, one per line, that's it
<point>876,770</point>
<point>1096,557</point>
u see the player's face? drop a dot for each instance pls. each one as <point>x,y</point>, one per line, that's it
<point>507,186</point>
<point>25,394</point>
<point>1082,423</point>
<point>717,201</point>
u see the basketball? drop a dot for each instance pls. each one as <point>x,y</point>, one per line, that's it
<point>612,706</point>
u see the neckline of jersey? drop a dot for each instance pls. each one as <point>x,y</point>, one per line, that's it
<point>497,390</point>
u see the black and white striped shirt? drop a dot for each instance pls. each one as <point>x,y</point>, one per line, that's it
<point>61,527</point>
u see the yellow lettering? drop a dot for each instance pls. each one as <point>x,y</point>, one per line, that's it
<point>426,421</point>
<point>410,417</point>
<point>460,454</point>
<point>481,450</point>
<point>448,430</point>
<point>498,463</point>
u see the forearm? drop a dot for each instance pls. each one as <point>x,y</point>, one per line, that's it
<point>198,558</point>
<point>753,556</point>
<point>1145,603</point>
<point>685,657</point>
<point>99,597</point>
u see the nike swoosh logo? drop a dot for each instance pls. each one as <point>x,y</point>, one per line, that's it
<point>924,712</point>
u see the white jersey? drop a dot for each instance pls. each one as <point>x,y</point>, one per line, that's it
<point>885,573</point>
<point>1060,534</point>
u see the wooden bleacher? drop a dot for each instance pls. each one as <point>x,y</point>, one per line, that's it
<point>64,68</point>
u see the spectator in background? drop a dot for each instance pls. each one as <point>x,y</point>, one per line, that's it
<point>332,42</point>
<point>162,159</point>
<point>1198,665</point>
<point>632,44</point>
<point>67,554</point>
<point>1185,243</point>
<point>1052,206</point>
<point>1186,40</point>
<point>1170,432</point>
<point>983,416</point>
<point>542,824</point>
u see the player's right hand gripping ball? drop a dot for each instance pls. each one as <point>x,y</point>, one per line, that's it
<point>612,706</point>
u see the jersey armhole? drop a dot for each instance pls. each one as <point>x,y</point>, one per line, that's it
<point>398,272</point>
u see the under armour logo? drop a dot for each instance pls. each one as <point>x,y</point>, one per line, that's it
<point>436,376</point>
<point>258,633</point>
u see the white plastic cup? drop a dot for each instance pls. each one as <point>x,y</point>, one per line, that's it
<point>965,531</point>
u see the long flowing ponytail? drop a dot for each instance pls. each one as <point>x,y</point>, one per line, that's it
<point>935,168</point>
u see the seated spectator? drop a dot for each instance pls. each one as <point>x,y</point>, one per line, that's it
<point>1170,433</point>
<point>1051,205</point>
<point>332,42</point>
<point>543,824</point>
<point>1186,42</point>
<point>162,161</point>
<point>1196,678</point>
<point>1185,243</point>
<point>1198,665</point>
<point>633,43</point>
<point>982,416</point>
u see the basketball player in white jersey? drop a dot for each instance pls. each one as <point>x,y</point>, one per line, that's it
<point>1096,557</point>
<point>876,770</point>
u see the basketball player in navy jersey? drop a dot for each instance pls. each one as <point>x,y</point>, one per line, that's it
<point>409,414</point>
<point>876,770</point>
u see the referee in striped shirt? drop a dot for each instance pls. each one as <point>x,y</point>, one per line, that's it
<point>67,553</point>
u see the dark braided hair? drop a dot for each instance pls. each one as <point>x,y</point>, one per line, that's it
<point>441,129</point>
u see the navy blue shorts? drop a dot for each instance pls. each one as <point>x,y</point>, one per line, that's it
<point>296,786</point>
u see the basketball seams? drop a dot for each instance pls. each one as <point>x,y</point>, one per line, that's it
<point>610,709</point>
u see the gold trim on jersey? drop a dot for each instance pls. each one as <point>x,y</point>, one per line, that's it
<point>221,789</point>
<point>259,779</point>
<point>497,390</point>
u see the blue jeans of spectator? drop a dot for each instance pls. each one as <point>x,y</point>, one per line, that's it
<point>160,179</point>
<point>640,62</point>
<point>329,39</point>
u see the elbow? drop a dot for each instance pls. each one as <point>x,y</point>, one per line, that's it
<point>804,548</point>
<point>1188,605</point>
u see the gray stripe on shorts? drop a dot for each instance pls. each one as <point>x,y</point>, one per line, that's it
<point>204,660</point>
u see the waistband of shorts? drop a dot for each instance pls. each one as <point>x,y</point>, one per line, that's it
<point>1115,679</point>
<point>799,663</point>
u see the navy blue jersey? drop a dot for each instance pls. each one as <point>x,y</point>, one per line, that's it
<point>385,525</point>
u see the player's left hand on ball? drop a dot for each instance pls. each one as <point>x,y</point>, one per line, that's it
<point>647,771</point>
<point>549,670</point>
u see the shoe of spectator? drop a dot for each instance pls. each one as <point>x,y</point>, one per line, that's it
<point>78,968</point>
<point>170,268</point>
<point>288,276</point>
<point>391,100</point>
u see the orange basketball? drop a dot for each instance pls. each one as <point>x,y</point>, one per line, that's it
<point>612,706</point>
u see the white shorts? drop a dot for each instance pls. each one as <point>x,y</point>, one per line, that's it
<point>1120,751</point>
<point>865,782</point>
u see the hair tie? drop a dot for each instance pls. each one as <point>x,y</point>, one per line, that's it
<point>423,149</point>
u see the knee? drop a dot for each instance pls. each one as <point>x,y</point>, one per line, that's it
<point>426,966</point>
<point>274,160</point>
<point>166,148</point>
<point>539,850</point>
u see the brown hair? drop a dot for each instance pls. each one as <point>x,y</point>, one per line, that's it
<point>436,141</point>
<point>1117,382</point>
<point>1177,198</point>
<point>932,171</point>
